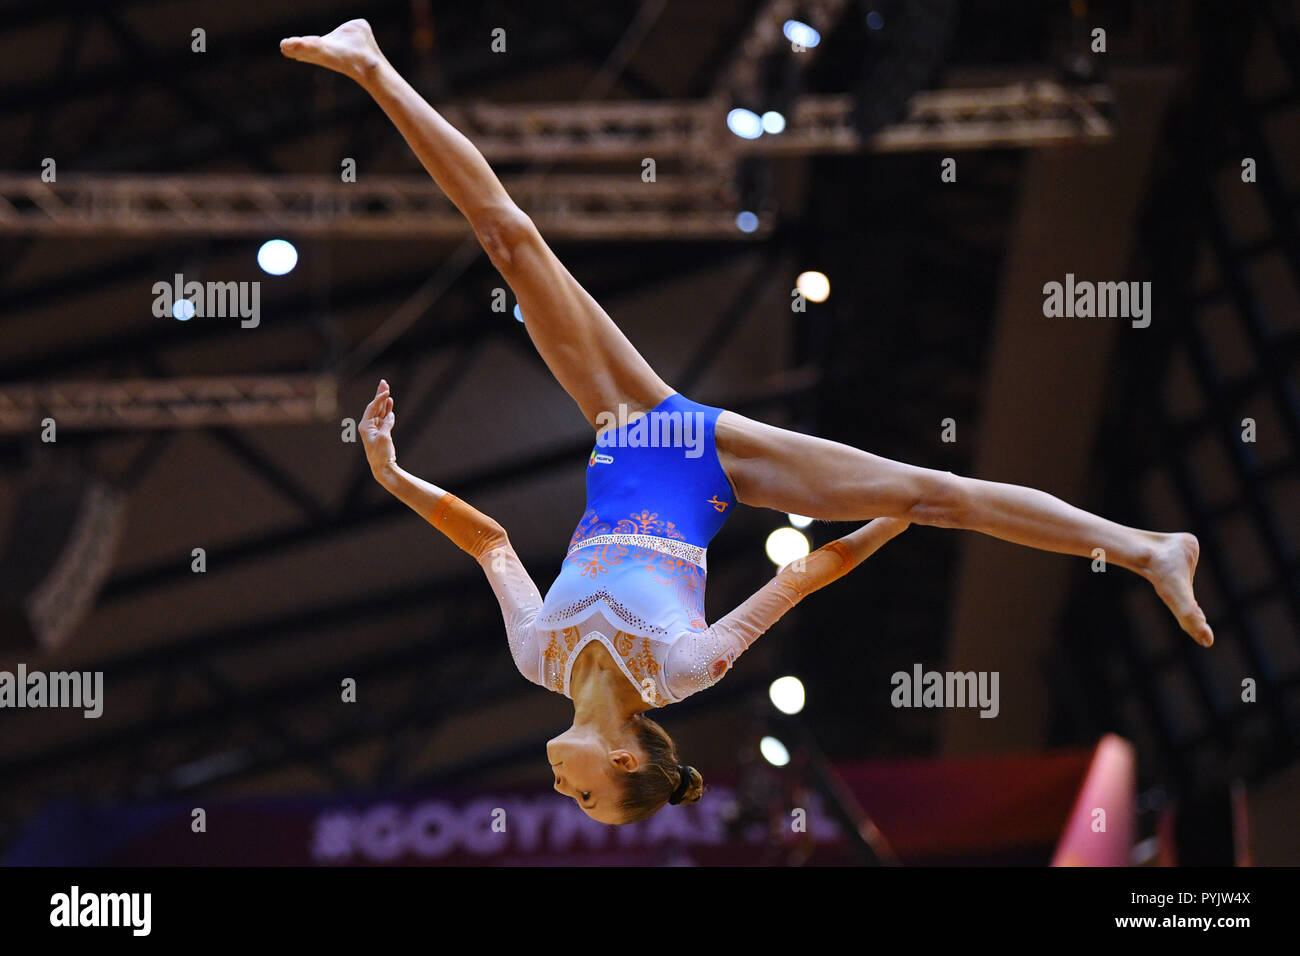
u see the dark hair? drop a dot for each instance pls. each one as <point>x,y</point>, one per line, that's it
<point>661,779</point>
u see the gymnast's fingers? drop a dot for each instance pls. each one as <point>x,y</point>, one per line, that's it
<point>375,409</point>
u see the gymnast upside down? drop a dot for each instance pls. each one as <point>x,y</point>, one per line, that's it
<point>622,629</point>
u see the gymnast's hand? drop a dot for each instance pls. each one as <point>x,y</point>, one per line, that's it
<point>868,539</point>
<point>377,430</point>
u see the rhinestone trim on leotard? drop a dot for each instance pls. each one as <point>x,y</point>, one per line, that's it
<point>567,613</point>
<point>676,549</point>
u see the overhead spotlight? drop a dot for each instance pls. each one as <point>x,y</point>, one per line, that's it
<point>519,316</point>
<point>785,545</point>
<point>753,190</point>
<point>183,309</point>
<point>796,31</point>
<point>277,257</point>
<point>745,123</point>
<point>787,694</point>
<point>778,86</point>
<point>799,521</point>
<point>774,751</point>
<point>773,122</point>
<point>813,286</point>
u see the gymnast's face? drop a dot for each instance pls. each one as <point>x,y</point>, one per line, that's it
<point>588,770</point>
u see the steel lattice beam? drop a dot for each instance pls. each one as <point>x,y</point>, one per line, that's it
<point>693,204</point>
<point>378,207</point>
<point>1019,114</point>
<point>170,402</point>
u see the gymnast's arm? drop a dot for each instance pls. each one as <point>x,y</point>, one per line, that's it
<point>701,660</point>
<point>472,531</point>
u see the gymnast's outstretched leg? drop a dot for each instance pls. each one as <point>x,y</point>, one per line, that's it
<point>774,468</point>
<point>586,352</point>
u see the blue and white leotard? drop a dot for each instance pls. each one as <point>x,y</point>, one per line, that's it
<point>634,575</point>
<point>656,496</point>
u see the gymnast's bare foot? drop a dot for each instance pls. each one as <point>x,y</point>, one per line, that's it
<point>350,49</point>
<point>1170,572</point>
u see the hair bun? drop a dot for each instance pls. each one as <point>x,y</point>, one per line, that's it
<point>690,786</point>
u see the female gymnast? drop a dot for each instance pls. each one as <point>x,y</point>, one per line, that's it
<point>622,629</point>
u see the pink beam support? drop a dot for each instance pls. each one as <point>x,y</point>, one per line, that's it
<point>1103,824</point>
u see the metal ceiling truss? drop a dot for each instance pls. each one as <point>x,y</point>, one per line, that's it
<point>177,402</point>
<point>697,203</point>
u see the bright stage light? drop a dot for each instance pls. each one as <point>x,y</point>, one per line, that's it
<point>787,694</point>
<point>814,286</point>
<point>796,31</point>
<point>785,545</point>
<point>277,257</point>
<point>799,521</point>
<point>746,221</point>
<point>774,751</point>
<point>773,122</point>
<point>183,309</point>
<point>745,123</point>
<point>519,316</point>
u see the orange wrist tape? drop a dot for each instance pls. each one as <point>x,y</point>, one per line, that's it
<point>846,556</point>
<point>472,531</point>
<point>828,563</point>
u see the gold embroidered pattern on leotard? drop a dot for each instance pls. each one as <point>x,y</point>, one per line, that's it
<point>555,658</point>
<point>638,656</point>
<point>636,653</point>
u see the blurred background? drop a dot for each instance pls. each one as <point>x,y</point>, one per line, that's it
<point>1164,150</point>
